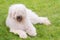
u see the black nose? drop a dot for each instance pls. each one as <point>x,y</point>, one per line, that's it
<point>19,18</point>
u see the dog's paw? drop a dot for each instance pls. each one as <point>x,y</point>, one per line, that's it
<point>33,34</point>
<point>45,20</point>
<point>23,35</point>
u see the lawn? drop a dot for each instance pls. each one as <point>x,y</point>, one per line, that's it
<point>45,8</point>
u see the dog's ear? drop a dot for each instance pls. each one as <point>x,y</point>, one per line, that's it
<point>10,13</point>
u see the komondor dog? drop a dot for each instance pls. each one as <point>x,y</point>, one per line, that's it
<point>20,20</point>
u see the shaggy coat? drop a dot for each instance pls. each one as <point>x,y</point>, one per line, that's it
<point>20,20</point>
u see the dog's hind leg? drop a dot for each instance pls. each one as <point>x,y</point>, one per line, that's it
<point>41,20</point>
<point>44,20</point>
<point>21,33</point>
<point>34,18</point>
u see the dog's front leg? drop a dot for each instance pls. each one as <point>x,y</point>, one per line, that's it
<point>31,30</point>
<point>21,33</point>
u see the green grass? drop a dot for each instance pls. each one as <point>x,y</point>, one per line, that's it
<point>48,8</point>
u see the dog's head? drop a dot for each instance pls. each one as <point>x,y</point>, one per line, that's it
<point>17,12</point>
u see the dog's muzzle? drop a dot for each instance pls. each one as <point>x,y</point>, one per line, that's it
<point>19,18</point>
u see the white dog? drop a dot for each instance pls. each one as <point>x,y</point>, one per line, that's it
<point>20,20</point>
